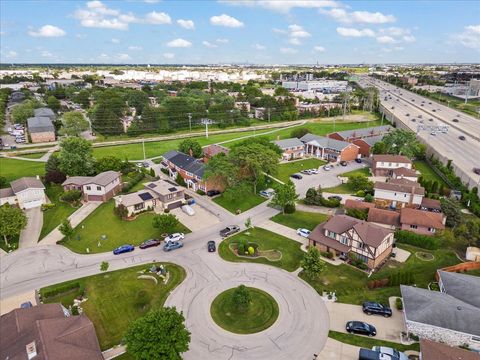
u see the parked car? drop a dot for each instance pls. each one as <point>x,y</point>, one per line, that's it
<point>296,176</point>
<point>433,133</point>
<point>358,160</point>
<point>306,172</point>
<point>367,354</point>
<point>327,167</point>
<point>303,232</point>
<point>476,171</point>
<point>145,164</point>
<point>229,230</point>
<point>187,209</point>
<point>370,307</point>
<point>267,193</point>
<point>343,163</point>
<point>335,197</point>
<point>213,193</point>
<point>211,246</point>
<point>393,353</point>
<point>360,327</point>
<point>455,120</point>
<point>461,137</point>
<point>175,237</point>
<point>314,171</point>
<point>26,305</point>
<point>123,249</point>
<point>149,243</point>
<point>172,245</point>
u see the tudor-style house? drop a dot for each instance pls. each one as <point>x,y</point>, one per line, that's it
<point>344,235</point>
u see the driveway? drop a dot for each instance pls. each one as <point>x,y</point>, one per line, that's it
<point>29,236</point>
<point>336,350</point>
<point>387,328</point>
<point>202,218</point>
<point>14,302</point>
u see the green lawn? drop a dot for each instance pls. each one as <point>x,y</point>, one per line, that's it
<point>366,342</point>
<point>287,169</point>
<point>469,108</point>
<point>114,300</point>
<point>300,219</point>
<point>54,216</point>
<point>266,240</point>
<point>350,284</point>
<point>344,188</point>
<point>428,173</point>
<point>363,171</point>
<point>243,203</point>
<point>32,156</point>
<point>13,169</point>
<point>104,222</point>
<point>261,313</point>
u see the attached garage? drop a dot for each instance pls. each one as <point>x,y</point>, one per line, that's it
<point>174,205</point>
<point>32,204</point>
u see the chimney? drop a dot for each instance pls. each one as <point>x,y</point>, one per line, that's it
<point>31,350</point>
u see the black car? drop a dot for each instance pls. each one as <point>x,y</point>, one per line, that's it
<point>455,120</point>
<point>360,327</point>
<point>343,163</point>
<point>358,160</point>
<point>211,246</point>
<point>213,193</point>
<point>461,137</point>
<point>149,243</point>
<point>296,176</point>
<point>370,307</point>
<point>476,171</point>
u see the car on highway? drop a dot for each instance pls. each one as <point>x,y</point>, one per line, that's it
<point>407,114</point>
<point>375,308</point>
<point>175,237</point>
<point>211,247</point>
<point>211,193</point>
<point>431,119</point>
<point>360,327</point>
<point>391,352</point>
<point>455,120</point>
<point>343,163</point>
<point>123,249</point>
<point>172,245</point>
<point>149,243</point>
<point>327,167</point>
<point>476,171</point>
<point>358,160</point>
<point>229,230</point>
<point>296,176</point>
<point>413,120</point>
<point>303,232</point>
<point>433,133</point>
<point>434,110</point>
<point>461,137</point>
<point>335,197</point>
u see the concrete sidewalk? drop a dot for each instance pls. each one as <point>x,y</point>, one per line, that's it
<point>30,235</point>
<point>336,350</point>
<point>76,218</point>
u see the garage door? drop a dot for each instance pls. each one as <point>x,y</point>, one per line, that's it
<point>174,205</point>
<point>32,204</point>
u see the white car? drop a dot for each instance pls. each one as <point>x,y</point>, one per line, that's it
<point>174,237</point>
<point>306,172</point>
<point>314,171</point>
<point>187,209</point>
<point>328,167</point>
<point>303,232</point>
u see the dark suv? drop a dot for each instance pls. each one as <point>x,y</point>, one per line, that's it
<point>360,327</point>
<point>374,308</point>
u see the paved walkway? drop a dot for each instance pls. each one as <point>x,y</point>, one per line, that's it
<point>336,350</point>
<point>315,209</point>
<point>30,235</point>
<point>114,352</point>
<point>76,218</point>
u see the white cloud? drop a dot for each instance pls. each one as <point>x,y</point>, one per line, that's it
<point>123,57</point>
<point>222,41</point>
<point>80,36</point>
<point>186,24</point>
<point>319,48</point>
<point>409,38</point>
<point>179,43</point>
<point>341,15</point>
<point>103,56</point>
<point>98,15</point>
<point>284,50</point>
<point>115,41</point>
<point>158,18</point>
<point>209,44</point>
<point>294,41</point>
<point>47,54</point>
<point>352,32</point>
<point>225,20</point>
<point>279,31</point>
<point>47,31</point>
<point>259,47</point>
<point>135,48</point>
<point>11,54</point>
<point>296,31</point>
<point>385,39</point>
<point>470,37</point>
<point>283,6</point>
<point>168,55</point>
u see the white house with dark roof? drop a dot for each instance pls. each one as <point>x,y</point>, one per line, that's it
<point>291,148</point>
<point>101,187</point>
<point>398,193</point>
<point>26,193</point>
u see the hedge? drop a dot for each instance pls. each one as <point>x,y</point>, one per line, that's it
<point>134,181</point>
<point>421,241</point>
<point>62,289</point>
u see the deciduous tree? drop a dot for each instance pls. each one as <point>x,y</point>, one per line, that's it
<point>66,228</point>
<point>311,263</point>
<point>12,221</point>
<point>73,123</point>
<point>191,147</point>
<point>165,222</point>
<point>76,157</point>
<point>241,298</point>
<point>285,195</point>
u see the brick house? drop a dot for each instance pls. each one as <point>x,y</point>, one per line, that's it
<point>364,133</point>
<point>329,149</point>
<point>342,235</point>
<point>291,148</point>
<point>421,222</point>
<point>398,193</point>
<point>189,168</point>
<point>450,316</point>
<point>212,150</point>
<point>382,165</point>
<point>41,129</point>
<point>101,187</point>
<point>366,144</point>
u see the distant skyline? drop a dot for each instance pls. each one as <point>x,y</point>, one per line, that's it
<point>230,31</point>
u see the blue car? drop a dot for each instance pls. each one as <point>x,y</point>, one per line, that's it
<point>172,245</point>
<point>123,249</point>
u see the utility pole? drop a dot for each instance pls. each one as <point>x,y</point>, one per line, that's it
<point>268,114</point>
<point>190,121</point>
<point>143,146</point>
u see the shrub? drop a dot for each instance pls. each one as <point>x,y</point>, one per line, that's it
<point>360,193</point>
<point>399,304</point>
<point>74,310</point>
<point>62,289</point>
<point>152,172</point>
<point>47,206</point>
<point>369,198</point>
<point>251,250</point>
<point>121,211</point>
<point>289,208</point>
<point>165,171</point>
<point>240,248</point>
<point>134,180</point>
<point>361,214</point>
<point>373,284</point>
<point>326,254</point>
<point>421,241</point>
<point>200,192</point>
<point>166,211</point>
<point>180,181</point>
<point>71,195</point>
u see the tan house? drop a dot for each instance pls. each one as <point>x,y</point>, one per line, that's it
<point>101,187</point>
<point>26,193</point>
<point>41,129</point>
<point>344,235</point>
<point>212,150</point>
<point>159,194</point>
<point>398,193</point>
<point>291,148</point>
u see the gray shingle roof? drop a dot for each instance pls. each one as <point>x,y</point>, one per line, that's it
<point>185,162</point>
<point>361,133</point>
<point>325,142</point>
<point>47,112</point>
<point>288,143</point>
<point>26,183</point>
<point>7,192</point>
<point>105,178</point>
<point>135,198</point>
<point>462,286</point>
<point>372,140</point>
<point>40,124</point>
<point>439,309</point>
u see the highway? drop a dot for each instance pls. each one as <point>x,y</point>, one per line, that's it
<point>427,118</point>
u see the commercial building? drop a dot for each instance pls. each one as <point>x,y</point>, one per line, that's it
<point>41,129</point>
<point>322,85</point>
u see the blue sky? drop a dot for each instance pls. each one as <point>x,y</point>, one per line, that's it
<point>255,31</point>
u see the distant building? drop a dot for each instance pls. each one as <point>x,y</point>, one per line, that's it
<point>329,149</point>
<point>101,187</point>
<point>291,148</point>
<point>212,150</point>
<point>26,193</point>
<point>41,129</point>
<point>321,85</point>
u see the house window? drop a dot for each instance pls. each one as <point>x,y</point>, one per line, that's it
<point>413,226</point>
<point>99,188</point>
<point>139,206</point>
<point>344,240</point>
<point>476,338</point>
<point>361,245</point>
<point>404,195</point>
<point>431,229</point>
<point>331,234</point>
<point>89,188</point>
